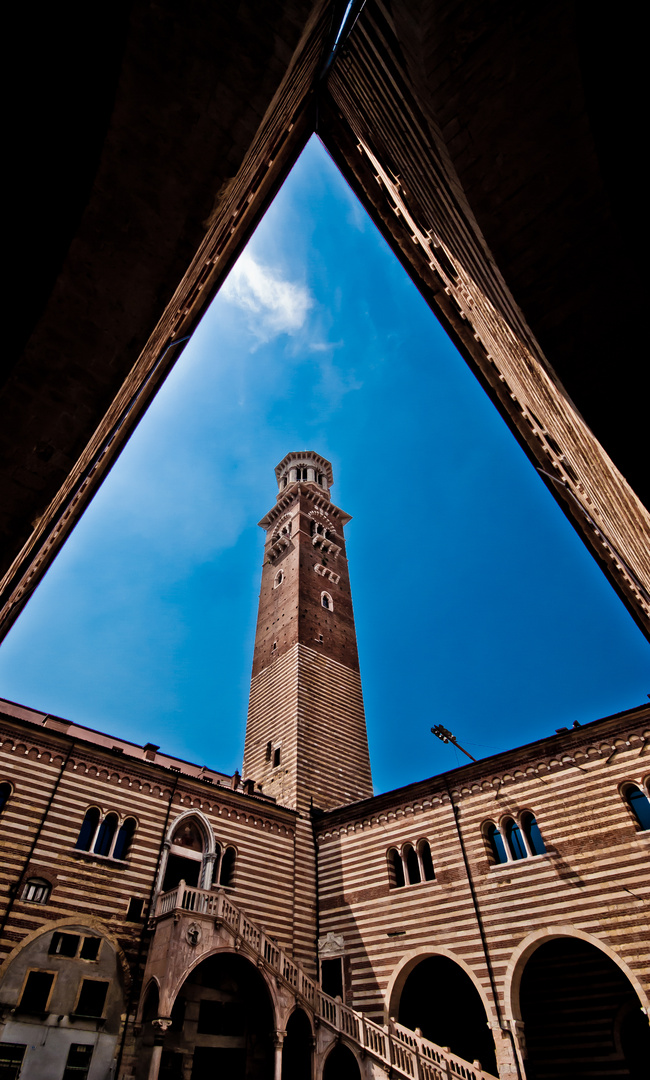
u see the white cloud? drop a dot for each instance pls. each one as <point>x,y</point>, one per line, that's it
<point>274,306</point>
<point>325,346</point>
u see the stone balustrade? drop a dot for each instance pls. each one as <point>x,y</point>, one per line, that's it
<point>394,1046</point>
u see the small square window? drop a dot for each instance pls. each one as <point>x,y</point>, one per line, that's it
<point>11,1059</point>
<point>92,998</point>
<point>90,948</point>
<point>134,912</point>
<point>78,1063</point>
<point>64,944</point>
<point>37,891</point>
<point>36,992</point>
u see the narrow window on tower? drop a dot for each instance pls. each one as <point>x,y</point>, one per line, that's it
<point>88,829</point>
<point>279,578</point>
<point>277,753</point>
<point>495,843</point>
<point>326,601</point>
<point>106,834</point>
<point>124,838</point>
<point>424,851</point>
<point>532,834</point>
<point>269,751</point>
<point>395,869</point>
<point>514,839</point>
<point>412,865</point>
<point>639,804</point>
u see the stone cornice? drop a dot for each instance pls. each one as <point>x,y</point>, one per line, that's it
<point>303,490</point>
<point>147,778</point>
<point>602,739</point>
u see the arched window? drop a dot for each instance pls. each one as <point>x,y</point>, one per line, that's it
<point>124,838</point>
<point>515,840</point>
<point>190,854</point>
<point>88,829</point>
<point>227,871</point>
<point>495,840</point>
<point>639,804</point>
<point>279,578</point>
<point>412,865</point>
<point>531,831</point>
<point>107,830</point>
<point>36,891</point>
<point>326,601</point>
<point>5,792</point>
<point>395,869</point>
<point>424,851</point>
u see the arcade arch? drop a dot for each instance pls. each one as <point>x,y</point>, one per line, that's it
<point>579,1008</point>
<point>439,995</point>
<point>341,1064</point>
<point>222,1023</point>
<point>297,1049</point>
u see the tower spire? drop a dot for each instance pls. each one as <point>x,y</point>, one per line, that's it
<point>306,733</point>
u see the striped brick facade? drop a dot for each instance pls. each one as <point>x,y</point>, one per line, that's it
<point>493,919</point>
<point>592,884</point>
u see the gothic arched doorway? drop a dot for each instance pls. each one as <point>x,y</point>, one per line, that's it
<point>222,1023</point>
<point>341,1064</point>
<point>441,1000</point>
<point>581,1015</point>
<point>186,856</point>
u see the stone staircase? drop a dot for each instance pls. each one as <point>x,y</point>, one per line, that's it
<point>399,1050</point>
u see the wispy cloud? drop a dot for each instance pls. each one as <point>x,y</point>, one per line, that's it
<point>325,346</point>
<point>273,304</point>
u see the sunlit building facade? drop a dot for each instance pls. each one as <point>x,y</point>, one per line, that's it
<point>163,921</point>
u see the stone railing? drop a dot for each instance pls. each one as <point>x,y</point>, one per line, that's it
<point>398,1048</point>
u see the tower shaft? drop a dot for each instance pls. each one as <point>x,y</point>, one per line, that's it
<point>306,735</point>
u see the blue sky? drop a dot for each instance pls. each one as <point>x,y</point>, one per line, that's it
<point>476,604</point>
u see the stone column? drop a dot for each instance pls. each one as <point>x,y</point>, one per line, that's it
<point>278,1041</point>
<point>207,870</point>
<point>160,1027</point>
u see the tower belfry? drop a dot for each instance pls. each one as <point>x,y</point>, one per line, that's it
<point>306,734</point>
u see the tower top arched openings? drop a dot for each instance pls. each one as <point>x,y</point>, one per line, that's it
<point>304,467</point>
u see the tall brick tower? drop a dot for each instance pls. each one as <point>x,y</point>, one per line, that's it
<point>306,735</point>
